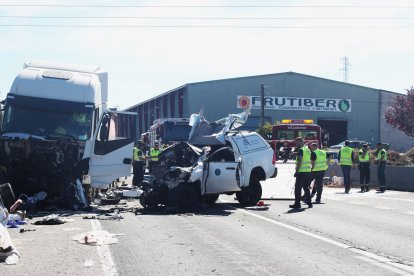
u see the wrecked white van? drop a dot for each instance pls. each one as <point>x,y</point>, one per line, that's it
<point>229,162</point>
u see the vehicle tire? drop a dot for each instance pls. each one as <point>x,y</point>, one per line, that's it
<point>250,195</point>
<point>6,195</point>
<point>210,199</point>
<point>188,197</point>
<point>148,200</point>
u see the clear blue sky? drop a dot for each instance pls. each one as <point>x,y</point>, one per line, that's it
<point>149,48</point>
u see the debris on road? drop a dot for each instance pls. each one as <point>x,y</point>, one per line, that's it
<point>53,219</point>
<point>8,252</point>
<point>99,237</point>
<point>88,263</point>
<point>108,216</point>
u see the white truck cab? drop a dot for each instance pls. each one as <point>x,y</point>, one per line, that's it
<point>57,132</point>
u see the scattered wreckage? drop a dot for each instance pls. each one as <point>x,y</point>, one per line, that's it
<point>230,161</point>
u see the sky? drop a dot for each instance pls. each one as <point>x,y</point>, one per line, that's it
<point>150,47</point>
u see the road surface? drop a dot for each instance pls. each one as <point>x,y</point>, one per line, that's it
<point>349,234</point>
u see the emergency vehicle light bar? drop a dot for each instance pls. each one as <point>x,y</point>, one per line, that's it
<point>294,121</point>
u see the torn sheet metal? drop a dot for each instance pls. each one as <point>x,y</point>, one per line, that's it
<point>204,132</point>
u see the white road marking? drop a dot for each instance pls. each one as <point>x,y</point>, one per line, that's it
<point>385,262</point>
<point>107,262</point>
<point>384,208</point>
<point>409,213</point>
<point>382,265</point>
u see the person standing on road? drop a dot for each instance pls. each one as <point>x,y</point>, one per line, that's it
<point>346,160</point>
<point>138,164</point>
<point>302,174</point>
<point>364,161</point>
<point>154,152</point>
<point>319,165</point>
<point>382,160</point>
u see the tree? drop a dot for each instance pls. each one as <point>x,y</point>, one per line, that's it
<point>265,131</point>
<point>400,113</point>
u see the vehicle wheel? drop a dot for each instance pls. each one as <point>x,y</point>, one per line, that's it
<point>148,200</point>
<point>210,199</point>
<point>187,197</point>
<point>7,195</point>
<point>250,196</point>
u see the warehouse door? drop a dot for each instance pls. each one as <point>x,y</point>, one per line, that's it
<point>337,130</point>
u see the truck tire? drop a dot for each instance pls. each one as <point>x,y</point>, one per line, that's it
<point>250,195</point>
<point>7,195</point>
<point>210,199</point>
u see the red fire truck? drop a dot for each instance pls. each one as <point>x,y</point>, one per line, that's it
<point>284,134</point>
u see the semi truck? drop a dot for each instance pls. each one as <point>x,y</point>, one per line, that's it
<point>58,135</point>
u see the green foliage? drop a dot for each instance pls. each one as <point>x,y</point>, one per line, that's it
<point>265,131</point>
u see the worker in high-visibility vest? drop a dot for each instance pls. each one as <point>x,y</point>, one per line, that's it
<point>381,158</point>
<point>153,155</point>
<point>302,174</point>
<point>138,163</point>
<point>346,160</point>
<point>364,161</point>
<point>319,162</point>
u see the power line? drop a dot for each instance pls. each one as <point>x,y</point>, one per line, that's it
<point>207,6</point>
<point>206,18</point>
<point>206,26</point>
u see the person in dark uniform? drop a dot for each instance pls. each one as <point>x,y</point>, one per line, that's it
<point>382,161</point>
<point>346,160</point>
<point>302,174</point>
<point>138,164</point>
<point>364,161</point>
<point>319,161</point>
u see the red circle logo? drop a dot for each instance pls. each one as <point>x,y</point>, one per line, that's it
<point>244,102</point>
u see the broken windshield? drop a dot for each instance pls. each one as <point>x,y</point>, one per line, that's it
<point>47,123</point>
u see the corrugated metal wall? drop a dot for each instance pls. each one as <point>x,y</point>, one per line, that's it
<point>220,98</point>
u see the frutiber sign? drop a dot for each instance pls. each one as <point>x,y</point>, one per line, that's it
<point>294,103</point>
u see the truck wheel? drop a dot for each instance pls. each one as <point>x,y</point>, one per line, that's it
<point>210,199</point>
<point>251,195</point>
<point>7,195</point>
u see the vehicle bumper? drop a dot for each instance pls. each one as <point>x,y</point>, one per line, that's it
<point>274,174</point>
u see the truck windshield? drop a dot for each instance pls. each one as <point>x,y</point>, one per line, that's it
<point>176,132</point>
<point>19,119</point>
<point>292,134</point>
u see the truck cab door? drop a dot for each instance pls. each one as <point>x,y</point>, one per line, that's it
<point>112,148</point>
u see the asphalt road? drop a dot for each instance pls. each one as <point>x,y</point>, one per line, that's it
<point>349,234</point>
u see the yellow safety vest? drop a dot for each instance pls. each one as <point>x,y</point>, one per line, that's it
<point>154,154</point>
<point>346,156</point>
<point>137,154</point>
<point>320,163</point>
<point>305,166</point>
<point>363,159</point>
<point>385,155</point>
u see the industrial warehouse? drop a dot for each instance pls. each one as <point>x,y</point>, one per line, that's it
<point>345,110</point>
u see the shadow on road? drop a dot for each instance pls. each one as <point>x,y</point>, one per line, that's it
<point>293,211</point>
<point>217,209</point>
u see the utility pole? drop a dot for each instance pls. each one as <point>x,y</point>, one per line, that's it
<point>262,104</point>
<point>345,68</point>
